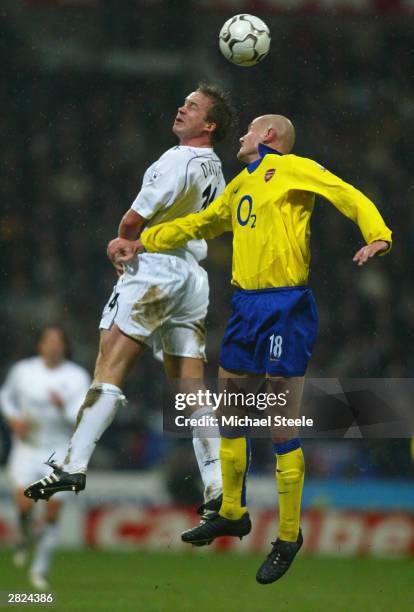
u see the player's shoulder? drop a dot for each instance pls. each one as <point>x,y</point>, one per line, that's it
<point>298,162</point>
<point>22,368</point>
<point>177,153</point>
<point>174,162</point>
<point>25,364</point>
<point>196,153</point>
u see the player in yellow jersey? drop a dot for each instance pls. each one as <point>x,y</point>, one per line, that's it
<point>274,322</point>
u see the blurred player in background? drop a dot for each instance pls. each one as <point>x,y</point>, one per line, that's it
<point>40,400</point>
<point>160,301</point>
<point>274,323</point>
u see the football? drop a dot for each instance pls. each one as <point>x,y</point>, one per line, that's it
<point>244,40</point>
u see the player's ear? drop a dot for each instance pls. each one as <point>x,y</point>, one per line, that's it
<point>210,127</point>
<point>269,135</point>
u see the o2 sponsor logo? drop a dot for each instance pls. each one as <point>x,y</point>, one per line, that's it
<point>245,215</point>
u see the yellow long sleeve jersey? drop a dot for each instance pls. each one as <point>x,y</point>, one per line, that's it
<point>268,207</point>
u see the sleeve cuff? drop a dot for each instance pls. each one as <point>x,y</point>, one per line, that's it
<point>386,250</point>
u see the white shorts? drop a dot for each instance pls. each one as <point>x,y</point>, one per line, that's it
<point>161,300</point>
<point>26,464</point>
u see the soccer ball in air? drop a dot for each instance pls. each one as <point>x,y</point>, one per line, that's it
<point>244,40</point>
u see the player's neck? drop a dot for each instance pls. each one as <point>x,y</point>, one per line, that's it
<point>51,364</point>
<point>197,141</point>
<point>250,159</point>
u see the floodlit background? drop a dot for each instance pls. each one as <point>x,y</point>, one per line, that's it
<point>88,93</point>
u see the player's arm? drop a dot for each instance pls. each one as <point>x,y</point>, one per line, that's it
<point>160,186</point>
<point>10,407</point>
<point>308,175</point>
<point>130,228</point>
<point>207,224</point>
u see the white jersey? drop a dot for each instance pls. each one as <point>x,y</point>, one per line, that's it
<point>184,180</point>
<point>26,394</point>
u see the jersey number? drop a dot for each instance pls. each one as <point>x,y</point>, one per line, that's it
<point>245,214</point>
<point>207,196</point>
<point>275,346</point>
<point>113,302</point>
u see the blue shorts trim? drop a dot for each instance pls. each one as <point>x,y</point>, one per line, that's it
<point>269,290</point>
<point>286,447</point>
<point>270,331</point>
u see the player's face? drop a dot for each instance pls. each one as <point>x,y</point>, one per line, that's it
<point>52,346</point>
<point>248,151</point>
<point>190,121</point>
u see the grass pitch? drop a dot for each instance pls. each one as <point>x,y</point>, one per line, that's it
<point>216,582</point>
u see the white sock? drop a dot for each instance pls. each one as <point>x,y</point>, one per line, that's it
<point>45,548</point>
<point>206,443</point>
<point>95,416</point>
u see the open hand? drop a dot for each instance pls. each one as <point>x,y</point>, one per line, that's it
<point>370,250</point>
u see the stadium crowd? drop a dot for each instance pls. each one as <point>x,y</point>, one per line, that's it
<point>74,148</point>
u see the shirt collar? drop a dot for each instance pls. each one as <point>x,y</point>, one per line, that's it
<point>263,150</point>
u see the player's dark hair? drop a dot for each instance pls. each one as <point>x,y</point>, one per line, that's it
<point>221,112</point>
<point>43,331</point>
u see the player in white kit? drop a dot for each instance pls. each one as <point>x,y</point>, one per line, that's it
<point>161,300</point>
<point>40,399</point>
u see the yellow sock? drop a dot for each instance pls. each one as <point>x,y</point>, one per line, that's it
<point>290,472</point>
<point>234,457</point>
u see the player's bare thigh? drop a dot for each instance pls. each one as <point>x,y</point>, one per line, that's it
<point>117,354</point>
<point>183,367</point>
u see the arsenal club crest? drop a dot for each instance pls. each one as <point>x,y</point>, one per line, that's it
<point>269,174</point>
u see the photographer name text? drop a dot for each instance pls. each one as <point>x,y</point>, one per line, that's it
<point>242,421</point>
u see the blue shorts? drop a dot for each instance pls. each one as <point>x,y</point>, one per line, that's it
<point>270,331</point>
